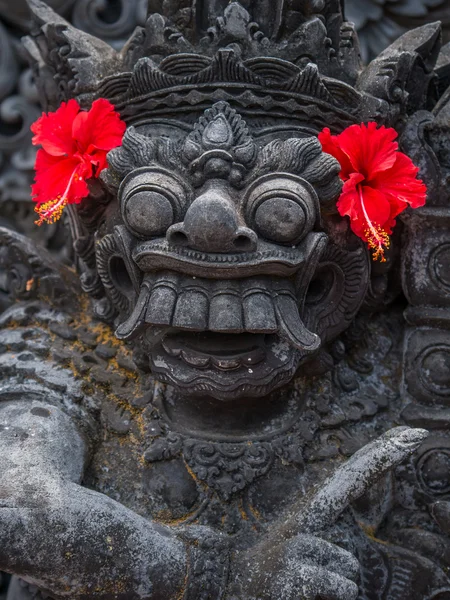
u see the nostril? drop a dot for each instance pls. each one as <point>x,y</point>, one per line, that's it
<point>245,240</point>
<point>179,238</point>
<point>176,235</point>
<point>242,242</point>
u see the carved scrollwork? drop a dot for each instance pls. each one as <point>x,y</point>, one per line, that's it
<point>226,467</point>
<point>427,365</point>
<point>111,21</point>
<point>31,273</point>
<point>425,270</point>
<point>113,272</point>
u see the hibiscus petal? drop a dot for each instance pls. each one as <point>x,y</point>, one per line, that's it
<point>56,177</point>
<point>330,146</point>
<point>100,128</point>
<point>367,208</point>
<point>349,203</point>
<point>369,149</point>
<point>98,160</point>
<point>375,206</point>
<point>401,186</point>
<point>53,131</point>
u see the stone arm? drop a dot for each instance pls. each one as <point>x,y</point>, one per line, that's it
<point>70,541</point>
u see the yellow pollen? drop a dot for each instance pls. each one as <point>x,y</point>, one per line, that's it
<point>51,211</point>
<point>378,241</point>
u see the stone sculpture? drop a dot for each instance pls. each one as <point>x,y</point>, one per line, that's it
<point>225,401</point>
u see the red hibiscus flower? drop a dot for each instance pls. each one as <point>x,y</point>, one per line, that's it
<point>74,148</point>
<point>379,181</point>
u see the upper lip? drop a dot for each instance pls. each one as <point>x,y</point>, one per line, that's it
<point>268,259</point>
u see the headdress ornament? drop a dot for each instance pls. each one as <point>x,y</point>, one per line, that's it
<point>281,66</point>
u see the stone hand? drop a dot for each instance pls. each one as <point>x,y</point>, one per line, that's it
<point>68,540</point>
<point>293,557</point>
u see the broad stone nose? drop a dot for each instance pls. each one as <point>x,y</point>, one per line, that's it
<point>211,225</point>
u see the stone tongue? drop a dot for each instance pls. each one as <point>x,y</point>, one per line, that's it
<point>291,327</point>
<point>135,323</point>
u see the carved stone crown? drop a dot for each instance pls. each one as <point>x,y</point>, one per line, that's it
<point>299,65</point>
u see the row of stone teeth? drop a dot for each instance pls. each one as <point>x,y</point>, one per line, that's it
<point>252,305</point>
<point>206,305</point>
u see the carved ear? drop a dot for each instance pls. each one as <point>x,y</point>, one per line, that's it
<point>68,63</point>
<point>394,74</point>
<point>337,290</point>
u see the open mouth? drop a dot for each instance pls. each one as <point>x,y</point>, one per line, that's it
<point>227,336</point>
<point>224,365</point>
<point>169,300</point>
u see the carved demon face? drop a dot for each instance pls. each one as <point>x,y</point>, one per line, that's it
<point>220,264</point>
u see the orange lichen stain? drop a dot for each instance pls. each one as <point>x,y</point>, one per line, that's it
<point>111,587</point>
<point>370,530</point>
<point>116,368</point>
<point>105,335</point>
<point>242,512</point>
<point>181,594</point>
<point>165,517</point>
<point>29,284</point>
<point>194,476</point>
<point>255,512</point>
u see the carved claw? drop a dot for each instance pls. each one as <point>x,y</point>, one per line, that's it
<point>304,567</point>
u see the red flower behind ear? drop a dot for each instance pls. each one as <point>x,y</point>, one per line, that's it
<point>74,148</point>
<point>379,181</point>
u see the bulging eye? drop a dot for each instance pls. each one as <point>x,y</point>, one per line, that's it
<point>280,219</point>
<point>282,208</point>
<point>148,212</point>
<point>151,199</point>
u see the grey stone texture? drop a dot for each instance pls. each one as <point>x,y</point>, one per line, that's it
<point>208,391</point>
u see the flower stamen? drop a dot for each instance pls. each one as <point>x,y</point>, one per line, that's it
<point>376,238</point>
<point>51,211</point>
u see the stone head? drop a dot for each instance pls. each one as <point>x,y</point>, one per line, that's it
<point>223,256</point>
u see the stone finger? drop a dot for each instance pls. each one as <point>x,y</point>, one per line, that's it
<point>360,472</point>
<point>321,553</point>
<point>317,581</point>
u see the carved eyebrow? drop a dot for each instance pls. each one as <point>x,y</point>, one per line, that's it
<point>303,157</point>
<point>138,150</point>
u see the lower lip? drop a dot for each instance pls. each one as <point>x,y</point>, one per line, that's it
<point>223,351</point>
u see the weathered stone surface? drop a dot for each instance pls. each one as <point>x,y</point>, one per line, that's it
<point>268,453</point>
